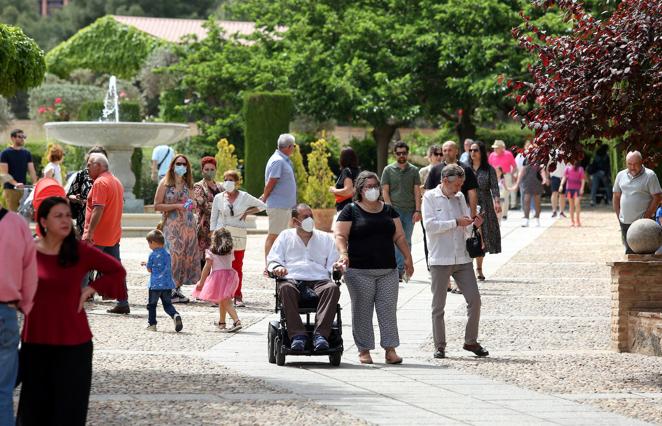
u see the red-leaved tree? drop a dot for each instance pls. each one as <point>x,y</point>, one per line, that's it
<point>602,80</point>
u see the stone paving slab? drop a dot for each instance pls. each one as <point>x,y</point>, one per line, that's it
<point>418,391</point>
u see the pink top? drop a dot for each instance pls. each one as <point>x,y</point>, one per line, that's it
<point>219,262</point>
<point>18,280</point>
<point>574,178</point>
<point>506,161</point>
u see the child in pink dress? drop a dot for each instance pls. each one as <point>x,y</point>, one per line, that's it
<point>219,285</point>
<point>573,179</point>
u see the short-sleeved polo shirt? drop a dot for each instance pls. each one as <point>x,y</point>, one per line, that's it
<point>107,191</point>
<point>401,184</point>
<point>284,193</point>
<point>636,193</point>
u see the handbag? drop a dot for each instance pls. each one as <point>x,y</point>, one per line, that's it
<point>475,244</point>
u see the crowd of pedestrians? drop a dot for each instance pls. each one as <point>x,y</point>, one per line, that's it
<point>201,241</point>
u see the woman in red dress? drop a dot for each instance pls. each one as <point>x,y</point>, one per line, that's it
<point>56,351</point>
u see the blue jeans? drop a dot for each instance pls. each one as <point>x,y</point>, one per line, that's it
<point>154,296</point>
<point>115,252</point>
<point>9,361</point>
<point>596,178</point>
<point>408,227</point>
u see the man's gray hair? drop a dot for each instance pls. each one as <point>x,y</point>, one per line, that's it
<point>634,154</point>
<point>99,158</point>
<point>452,170</point>
<point>468,141</point>
<point>285,140</point>
<point>300,206</point>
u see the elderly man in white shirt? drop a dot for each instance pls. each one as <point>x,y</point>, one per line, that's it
<point>304,257</point>
<point>447,222</point>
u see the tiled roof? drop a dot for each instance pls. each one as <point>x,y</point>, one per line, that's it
<point>173,30</point>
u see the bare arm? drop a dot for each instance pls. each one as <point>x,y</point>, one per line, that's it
<point>4,168</point>
<point>33,173</point>
<point>386,193</point>
<point>204,275</point>
<point>417,198</point>
<point>341,234</point>
<point>268,188</point>
<point>400,241</point>
<point>616,199</point>
<point>95,217</point>
<point>652,207</point>
<point>159,198</point>
<point>473,201</point>
<point>347,189</point>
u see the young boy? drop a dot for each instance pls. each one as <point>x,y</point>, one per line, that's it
<point>160,281</point>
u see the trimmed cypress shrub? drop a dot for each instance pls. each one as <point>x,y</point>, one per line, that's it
<point>266,116</point>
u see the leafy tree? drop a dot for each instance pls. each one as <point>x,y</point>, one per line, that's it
<point>21,61</point>
<point>105,46</point>
<point>300,173</point>
<point>388,62</point>
<point>603,80</point>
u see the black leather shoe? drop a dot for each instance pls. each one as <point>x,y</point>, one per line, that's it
<point>117,309</point>
<point>440,354</point>
<point>477,349</point>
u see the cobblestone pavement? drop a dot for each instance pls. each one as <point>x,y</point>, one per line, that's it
<point>546,321</point>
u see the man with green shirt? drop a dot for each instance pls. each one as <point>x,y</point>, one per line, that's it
<point>401,187</point>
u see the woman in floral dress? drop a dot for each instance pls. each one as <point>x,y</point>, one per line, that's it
<point>174,198</point>
<point>203,195</point>
<point>488,200</point>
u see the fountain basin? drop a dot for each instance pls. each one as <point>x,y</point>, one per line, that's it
<point>118,139</point>
<point>116,134</point>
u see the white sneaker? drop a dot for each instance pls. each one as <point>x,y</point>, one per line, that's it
<point>151,327</point>
<point>538,222</point>
<point>525,223</point>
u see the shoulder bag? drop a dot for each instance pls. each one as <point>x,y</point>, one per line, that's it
<point>475,244</point>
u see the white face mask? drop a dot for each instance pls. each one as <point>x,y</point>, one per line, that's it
<point>229,185</point>
<point>308,224</point>
<point>371,194</point>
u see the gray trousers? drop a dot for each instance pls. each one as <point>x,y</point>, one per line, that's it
<point>373,290</point>
<point>466,280</point>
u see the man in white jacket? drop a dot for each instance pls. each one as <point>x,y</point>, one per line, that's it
<point>447,221</point>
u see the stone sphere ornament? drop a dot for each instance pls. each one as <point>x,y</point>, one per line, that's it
<point>644,236</point>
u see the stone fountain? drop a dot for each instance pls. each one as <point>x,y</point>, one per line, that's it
<point>119,139</point>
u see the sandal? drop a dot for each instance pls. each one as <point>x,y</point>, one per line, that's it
<point>365,358</point>
<point>456,290</point>
<point>480,275</point>
<point>221,326</point>
<point>236,326</point>
<point>392,357</point>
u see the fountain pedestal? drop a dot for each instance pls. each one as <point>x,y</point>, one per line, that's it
<point>120,166</point>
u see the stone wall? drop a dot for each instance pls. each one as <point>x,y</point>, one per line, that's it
<point>636,304</point>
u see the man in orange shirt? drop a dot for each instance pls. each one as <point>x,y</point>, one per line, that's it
<point>103,214</point>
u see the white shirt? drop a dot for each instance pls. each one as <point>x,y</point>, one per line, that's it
<point>310,262</point>
<point>163,155</point>
<point>221,215</point>
<point>57,171</point>
<point>446,241</point>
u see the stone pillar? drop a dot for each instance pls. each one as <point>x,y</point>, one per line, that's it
<point>120,166</point>
<point>636,287</point>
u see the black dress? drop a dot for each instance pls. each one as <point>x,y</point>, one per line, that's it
<point>347,172</point>
<point>488,189</point>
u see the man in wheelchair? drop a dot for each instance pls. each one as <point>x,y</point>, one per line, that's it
<point>303,259</point>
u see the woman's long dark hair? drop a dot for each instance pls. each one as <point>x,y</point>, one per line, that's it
<point>68,254</point>
<point>484,164</point>
<point>348,158</point>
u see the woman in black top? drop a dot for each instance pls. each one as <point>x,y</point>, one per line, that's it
<point>365,232</point>
<point>349,170</point>
<point>79,190</point>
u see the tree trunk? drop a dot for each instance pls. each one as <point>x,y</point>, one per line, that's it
<point>382,135</point>
<point>466,128</point>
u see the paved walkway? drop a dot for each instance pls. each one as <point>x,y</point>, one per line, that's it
<point>418,391</point>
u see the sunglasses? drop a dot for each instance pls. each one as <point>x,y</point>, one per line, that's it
<point>438,154</point>
<point>21,137</point>
<point>474,150</point>
<point>401,153</point>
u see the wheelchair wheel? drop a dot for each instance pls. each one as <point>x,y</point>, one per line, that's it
<point>278,352</point>
<point>271,347</point>
<point>334,358</point>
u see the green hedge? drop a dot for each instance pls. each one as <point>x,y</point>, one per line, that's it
<point>92,111</point>
<point>266,116</point>
<point>61,101</point>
